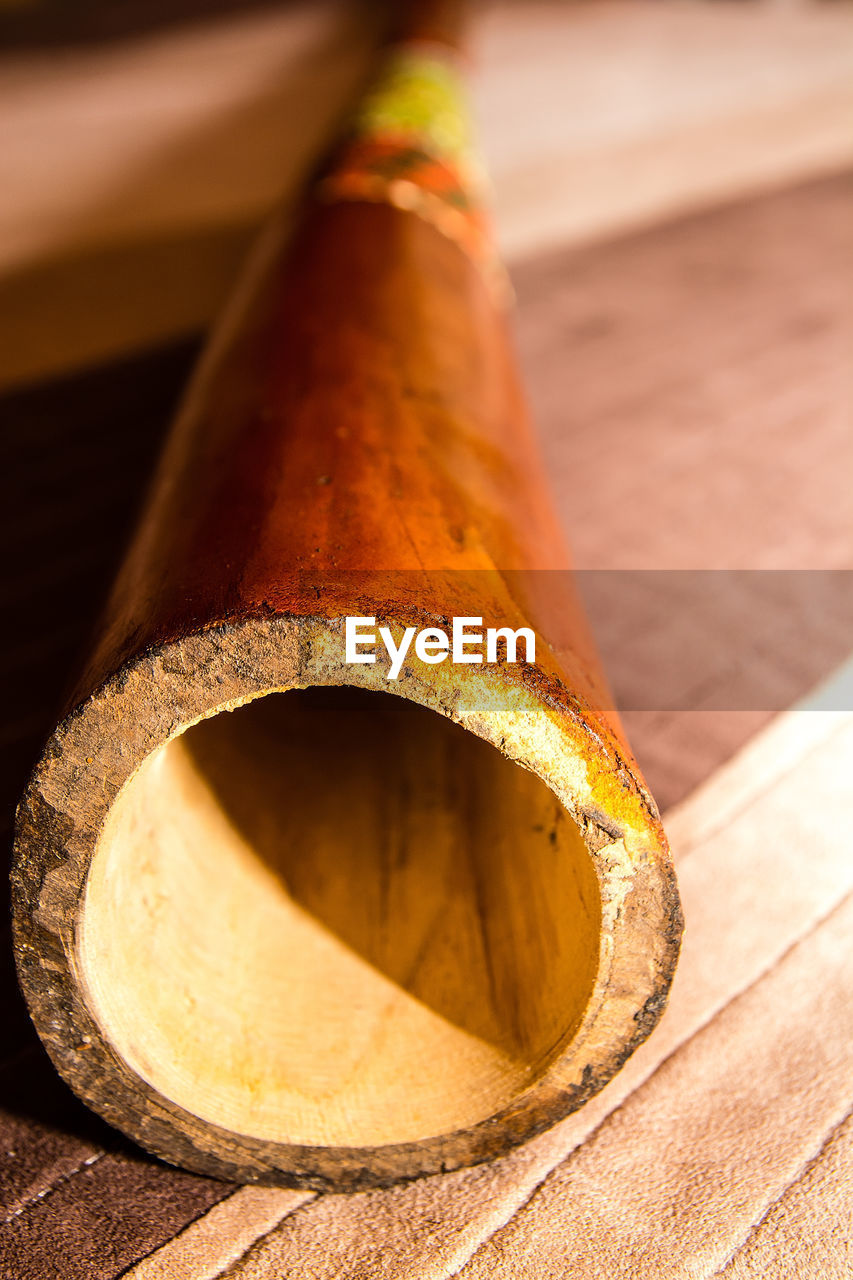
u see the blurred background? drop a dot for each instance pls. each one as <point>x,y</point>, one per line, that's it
<point>143,142</point>
<point>672,185</point>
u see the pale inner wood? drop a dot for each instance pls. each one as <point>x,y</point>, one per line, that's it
<point>336,918</point>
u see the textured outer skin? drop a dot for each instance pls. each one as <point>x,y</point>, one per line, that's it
<point>354,442</point>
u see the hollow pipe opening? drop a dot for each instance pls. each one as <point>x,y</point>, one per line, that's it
<point>333,917</point>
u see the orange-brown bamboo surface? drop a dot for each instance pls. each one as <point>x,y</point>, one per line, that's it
<point>284,916</point>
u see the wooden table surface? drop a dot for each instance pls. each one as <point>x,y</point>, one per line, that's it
<point>709,354</point>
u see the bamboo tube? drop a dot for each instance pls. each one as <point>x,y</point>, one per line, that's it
<point>271,921</point>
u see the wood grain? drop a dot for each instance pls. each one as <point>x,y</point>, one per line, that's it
<point>66,431</point>
<point>470,935</point>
